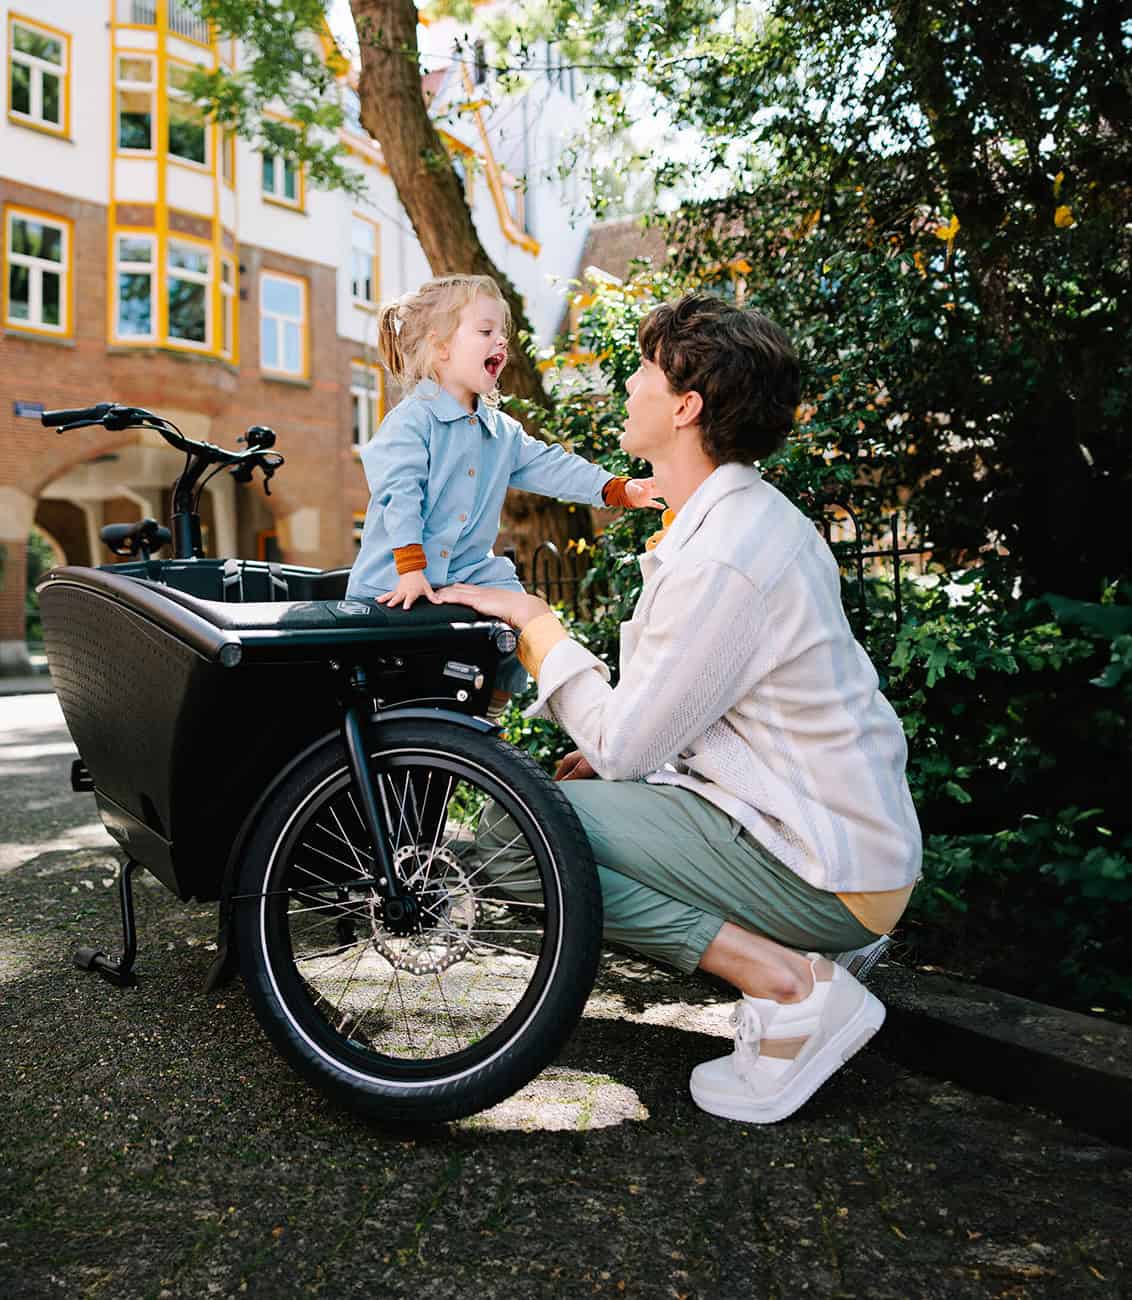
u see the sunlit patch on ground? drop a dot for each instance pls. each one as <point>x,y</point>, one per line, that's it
<point>561,1099</point>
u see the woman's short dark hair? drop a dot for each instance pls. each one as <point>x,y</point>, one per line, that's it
<point>741,364</point>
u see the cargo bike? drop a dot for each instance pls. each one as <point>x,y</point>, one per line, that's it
<point>411,902</point>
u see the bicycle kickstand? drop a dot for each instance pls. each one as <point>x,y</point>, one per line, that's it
<point>119,970</point>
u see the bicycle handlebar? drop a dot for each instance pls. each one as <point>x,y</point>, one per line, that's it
<point>113,416</point>
<point>80,415</point>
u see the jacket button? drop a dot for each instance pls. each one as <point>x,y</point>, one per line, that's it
<point>443,555</point>
<point>471,419</point>
<point>471,473</point>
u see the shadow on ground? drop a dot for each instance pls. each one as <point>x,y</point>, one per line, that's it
<point>157,1147</point>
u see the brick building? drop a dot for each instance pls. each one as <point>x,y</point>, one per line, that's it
<point>150,259</point>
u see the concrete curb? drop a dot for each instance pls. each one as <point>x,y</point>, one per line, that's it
<point>1077,1067</point>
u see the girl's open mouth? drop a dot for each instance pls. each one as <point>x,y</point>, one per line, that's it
<point>494,364</point>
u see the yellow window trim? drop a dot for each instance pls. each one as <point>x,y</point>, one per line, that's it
<point>232,357</point>
<point>380,394</point>
<point>211,159</point>
<point>209,346</point>
<point>66,330</point>
<point>304,284</point>
<point>132,340</point>
<point>289,204</point>
<point>117,52</point>
<point>363,304</point>
<point>60,132</point>
<point>512,232</point>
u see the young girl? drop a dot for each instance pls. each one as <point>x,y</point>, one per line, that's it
<point>440,465</point>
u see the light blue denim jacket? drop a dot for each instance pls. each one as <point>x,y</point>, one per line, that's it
<point>438,476</point>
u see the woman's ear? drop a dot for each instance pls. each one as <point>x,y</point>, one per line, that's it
<point>688,409</point>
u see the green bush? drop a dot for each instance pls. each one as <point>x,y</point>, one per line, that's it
<point>1018,711</point>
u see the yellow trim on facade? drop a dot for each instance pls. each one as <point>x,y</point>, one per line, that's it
<point>160,231</point>
<point>67,295</point>
<point>512,232</point>
<point>304,283</point>
<point>62,132</point>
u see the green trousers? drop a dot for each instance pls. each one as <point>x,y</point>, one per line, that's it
<point>673,868</point>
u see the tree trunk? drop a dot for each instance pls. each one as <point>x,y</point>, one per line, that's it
<point>395,114</point>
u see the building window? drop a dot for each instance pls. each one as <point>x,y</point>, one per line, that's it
<point>479,75</point>
<point>364,262</point>
<point>282,181</point>
<point>135,287</point>
<point>367,398</point>
<point>39,64</point>
<point>227,306</point>
<point>137,13</point>
<point>283,324</point>
<point>189,272</point>
<point>135,96</point>
<point>188,134</point>
<point>184,22</point>
<point>37,288</point>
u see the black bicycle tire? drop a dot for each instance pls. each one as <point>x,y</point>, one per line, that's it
<point>560,1004</point>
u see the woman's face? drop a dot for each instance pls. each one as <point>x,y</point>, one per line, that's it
<point>649,422</point>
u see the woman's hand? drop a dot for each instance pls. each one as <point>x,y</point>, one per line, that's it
<point>514,607</point>
<point>573,767</point>
<point>642,492</point>
<point>410,587</point>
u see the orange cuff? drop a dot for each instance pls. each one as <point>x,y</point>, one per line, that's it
<point>536,639</point>
<point>613,494</point>
<point>409,559</point>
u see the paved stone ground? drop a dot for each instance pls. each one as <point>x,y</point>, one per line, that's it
<point>155,1145</point>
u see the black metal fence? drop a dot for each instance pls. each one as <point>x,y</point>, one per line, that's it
<point>866,568</point>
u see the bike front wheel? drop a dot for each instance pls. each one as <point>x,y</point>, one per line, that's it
<point>470,1005</point>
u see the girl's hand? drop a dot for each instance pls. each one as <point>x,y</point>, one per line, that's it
<point>514,607</point>
<point>410,587</point>
<point>641,492</point>
<point>573,767</point>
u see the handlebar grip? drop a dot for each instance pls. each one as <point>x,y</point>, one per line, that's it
<point>51,419</point>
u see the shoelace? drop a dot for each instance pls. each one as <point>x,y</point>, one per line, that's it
<point>748,1038</point>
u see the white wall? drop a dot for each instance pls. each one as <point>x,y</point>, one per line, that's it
<point>78,166</point>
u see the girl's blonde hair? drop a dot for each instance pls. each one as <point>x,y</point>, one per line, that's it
<point>410,329</point>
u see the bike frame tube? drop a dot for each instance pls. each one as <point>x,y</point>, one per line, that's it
<point>388,886</point>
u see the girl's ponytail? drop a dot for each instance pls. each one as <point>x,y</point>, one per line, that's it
<point>388,340</point>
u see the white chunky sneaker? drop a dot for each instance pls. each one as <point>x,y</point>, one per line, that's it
<point>785,1051</point>
<point>860,961</point>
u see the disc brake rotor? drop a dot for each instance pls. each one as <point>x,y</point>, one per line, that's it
<point>449,912</point>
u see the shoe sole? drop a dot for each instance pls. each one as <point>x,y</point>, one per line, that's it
<point>864,959</point>
<point>846,1043</point>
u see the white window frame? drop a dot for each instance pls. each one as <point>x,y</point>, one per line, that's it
<point>37,69</point>
<point>124,85</point>
<point>36,266</point>
<point>278,322</point>
<point>227,305</point>
<point>277,192</point>
<point>174,95</point>
<point>126,267</point>
<point>366,403</point>
<point>359,223</point>
<point>193,277</point>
